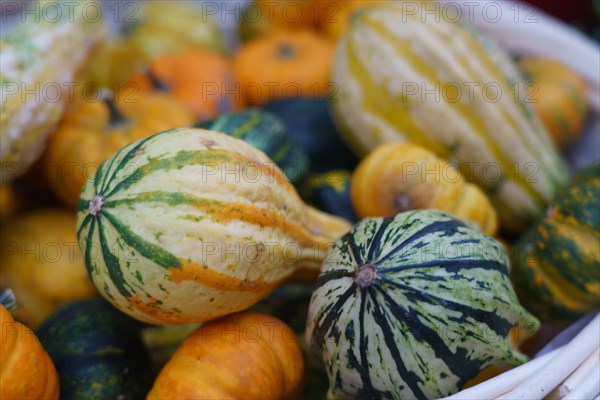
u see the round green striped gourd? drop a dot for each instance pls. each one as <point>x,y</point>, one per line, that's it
<point>189,225</point>
<point>425,79</point>
<point>267,132</point>
<point>556,264</point>
<point>414,306</point>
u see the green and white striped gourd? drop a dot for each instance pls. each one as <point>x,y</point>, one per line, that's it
<point>189,225</point>
<point>267,132</point>
<point>426,79</point>
<point>414,306</point>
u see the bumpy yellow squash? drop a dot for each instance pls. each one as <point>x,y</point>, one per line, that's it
<point>397,177</point>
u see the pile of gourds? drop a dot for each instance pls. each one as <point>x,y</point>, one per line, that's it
<point>289,218</point>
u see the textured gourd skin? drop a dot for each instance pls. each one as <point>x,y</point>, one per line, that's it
<point>397,177</point>
<point>267,132</point>
<point>414,306</point>
<point>42,264</point>
<point>556,264</point>
<point>86,136</point>
<point>26,371</point>
<point>242,356</point>
<point>195,224</point>
<point>407,82</point>
<point>558,96</point>
<point>97,351</point>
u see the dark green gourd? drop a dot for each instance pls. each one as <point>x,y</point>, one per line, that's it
<point>98,352</point>
<point>266,132</point>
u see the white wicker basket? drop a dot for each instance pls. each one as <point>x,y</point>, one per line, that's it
<point>567,368</point>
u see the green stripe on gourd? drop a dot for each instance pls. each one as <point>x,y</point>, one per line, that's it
<point>467,105</point>
<point>414,306</point>
<point>268,133</point>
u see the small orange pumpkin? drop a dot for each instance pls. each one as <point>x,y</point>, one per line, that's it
<point>397,177</point>
<point>284,65</point>
<point>201,81</point>
<point>91,131</point>
<point>246,355</point>
<point>26,370</point>
<point>558,96</point>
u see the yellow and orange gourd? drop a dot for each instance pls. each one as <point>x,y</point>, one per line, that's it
<point>245,355</point>
<point>26,370</point>
<point>42,264</point>
<point>558,96</point>
<point>397,177</point>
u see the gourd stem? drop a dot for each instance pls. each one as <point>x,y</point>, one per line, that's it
<point>116,117</point>
<point>7,299</point>
<point>286,51</point>
<point>157,84</point>
<point>365,275</point>
<point>96,205</point>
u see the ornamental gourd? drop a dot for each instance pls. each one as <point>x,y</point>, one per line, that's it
<point>284,65</point>
<point>98,352</point>
<point>191,225</point>
<point>439,84</point>
<point>397,177</point>
<point>558,96</point>
<point>556,264</point>
<point>418,305</point>
<point>309,123</point>
<point>41,56</point>
<point>201,81</point>
<point>26,370</point>
<point>42,264</point>
<point>266,132</point>
<point>242,356</point>
<point>91,131</point>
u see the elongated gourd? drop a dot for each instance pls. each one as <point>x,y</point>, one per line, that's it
<point>423,78</point>
<point>189,225</point>
<point>415,306</point>
<point>397,177</point>
<point>38,61</point>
